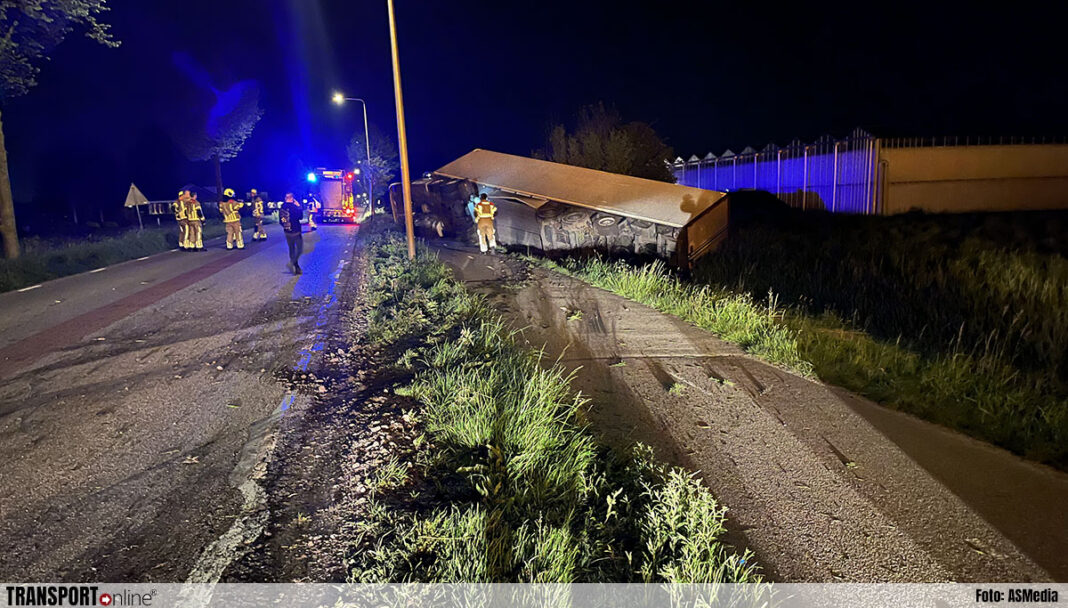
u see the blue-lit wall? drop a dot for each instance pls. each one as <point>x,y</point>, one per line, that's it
<point>838,176</point>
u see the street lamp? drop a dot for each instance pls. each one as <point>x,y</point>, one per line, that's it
<point>339,99</point>
<point>402,137</point>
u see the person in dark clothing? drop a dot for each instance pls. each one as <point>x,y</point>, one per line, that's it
<point>289,217</point>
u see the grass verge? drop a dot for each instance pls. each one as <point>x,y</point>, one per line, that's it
<point>507,483</point>
<point>994,376</point>
<point>735,317</point>
<point>36,265</point>
<point>982,396</point>
<point>961,319</point>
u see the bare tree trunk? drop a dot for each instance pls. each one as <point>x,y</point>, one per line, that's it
<point>8,230</point>
<point>218,179</point>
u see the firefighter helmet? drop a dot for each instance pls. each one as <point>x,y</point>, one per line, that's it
<point>229,192</point>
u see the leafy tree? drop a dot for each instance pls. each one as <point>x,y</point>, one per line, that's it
<point>601,140</point>
<point>221,134</point>
<point>384,164</point>
<point>29,30</point>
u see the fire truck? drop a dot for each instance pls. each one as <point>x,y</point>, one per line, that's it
<point>333,191</point>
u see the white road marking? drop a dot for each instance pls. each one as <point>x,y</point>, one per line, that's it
<point>98,270</point>
<point>29,288</point>
<point>144,258</point>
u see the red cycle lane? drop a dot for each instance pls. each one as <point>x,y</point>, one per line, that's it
<point>24,352</point>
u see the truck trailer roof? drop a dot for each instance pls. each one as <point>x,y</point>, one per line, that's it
<point>533,179</point>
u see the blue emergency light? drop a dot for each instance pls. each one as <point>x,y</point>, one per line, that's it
<point>312,178</point>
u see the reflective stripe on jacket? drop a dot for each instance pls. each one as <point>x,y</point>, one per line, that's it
<point>178,209</point>
<point>193,212</point>
<point>231,211</point>
<point>485,209</point>
<point>257,209</point>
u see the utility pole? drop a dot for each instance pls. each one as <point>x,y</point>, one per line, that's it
<point>367,169</point>
<point>340,99</point>
<point>406,181</point>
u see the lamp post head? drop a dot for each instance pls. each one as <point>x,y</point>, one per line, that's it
<point>338,98</point>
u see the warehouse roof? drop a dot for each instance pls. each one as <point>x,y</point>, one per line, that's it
<point>634,197</point>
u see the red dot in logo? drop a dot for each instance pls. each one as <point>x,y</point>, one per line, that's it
<point>105,599</point>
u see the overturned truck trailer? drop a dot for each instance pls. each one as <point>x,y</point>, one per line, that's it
<point>552,207</point>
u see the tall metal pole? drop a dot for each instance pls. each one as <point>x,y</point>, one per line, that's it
<point>367,169</point>
<point>367,142</point>
<point>338,99</point>
<point>406,180</point>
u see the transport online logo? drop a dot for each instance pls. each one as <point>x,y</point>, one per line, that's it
<point>74,595</point>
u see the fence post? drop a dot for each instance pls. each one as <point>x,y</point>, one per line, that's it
<point>874,166</point>
<point>864,174</point>
<point>834,181</point>
<point>778,174</point>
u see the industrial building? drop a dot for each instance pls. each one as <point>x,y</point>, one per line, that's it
<point>871,175</point>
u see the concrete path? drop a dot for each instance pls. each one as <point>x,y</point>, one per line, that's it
<point>814,488</point>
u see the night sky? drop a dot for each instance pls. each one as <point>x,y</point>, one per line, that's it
<point>495,74</point>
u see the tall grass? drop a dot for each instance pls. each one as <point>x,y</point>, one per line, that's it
<point>983,285</point>
<point>736,317</point>
<point>960,319</point>
<point>53,260</point>
<point>981,396</point>
<point>523,491</point>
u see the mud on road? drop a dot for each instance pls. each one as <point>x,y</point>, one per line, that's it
<point>318,483</point>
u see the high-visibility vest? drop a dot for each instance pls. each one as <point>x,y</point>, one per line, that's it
<point>178,209</point>
<point>231,211</point>
<point>485,209</point>
<point>193,212</point>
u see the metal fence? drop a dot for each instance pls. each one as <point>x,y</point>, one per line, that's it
<point>970,140</point>
<point>836,175</point>
<point>840,175</point>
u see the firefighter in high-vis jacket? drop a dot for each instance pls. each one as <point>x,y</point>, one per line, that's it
<point>231,212</point>
<point>194,217</point>
<point>484,212</point>
<point>259,234</point>
<point>178,209</point>
<point>313,207</point>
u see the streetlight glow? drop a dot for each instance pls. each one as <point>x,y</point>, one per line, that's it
<point>339,98</point>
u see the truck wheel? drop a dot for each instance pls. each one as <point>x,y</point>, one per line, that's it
<point>605,224</point>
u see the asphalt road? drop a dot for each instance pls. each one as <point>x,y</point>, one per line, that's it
<point>135,400</point>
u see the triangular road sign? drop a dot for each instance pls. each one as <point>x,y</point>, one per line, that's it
<point>135,198</point>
